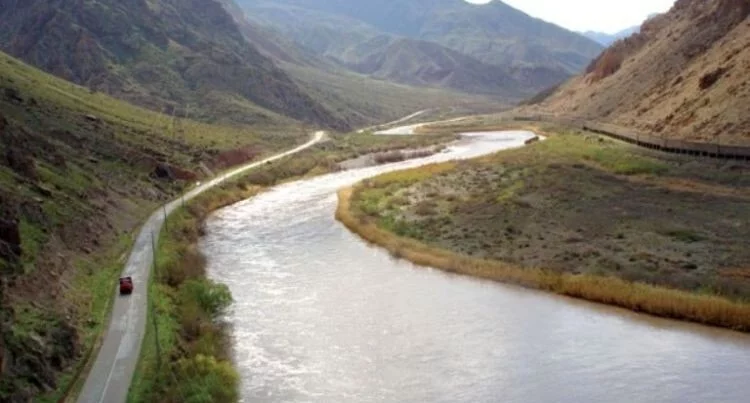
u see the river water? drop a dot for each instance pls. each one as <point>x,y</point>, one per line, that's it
<point>319,316</point>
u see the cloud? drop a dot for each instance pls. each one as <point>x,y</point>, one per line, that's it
<point>595,15</point>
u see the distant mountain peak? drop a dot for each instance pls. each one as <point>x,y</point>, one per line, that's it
<point>607,39</point>
<point>537,53</point>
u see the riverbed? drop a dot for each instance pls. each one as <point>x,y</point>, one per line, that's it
<point>320,316</point>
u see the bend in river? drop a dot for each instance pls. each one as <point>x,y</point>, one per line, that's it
<point>319,316</point>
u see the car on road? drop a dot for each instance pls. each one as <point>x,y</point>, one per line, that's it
<point>126,285</point>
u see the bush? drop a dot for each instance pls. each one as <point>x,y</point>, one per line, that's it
<point>425,208</point>
<point>211,297</point>
<point>205,379</point>
<point>191,265</point>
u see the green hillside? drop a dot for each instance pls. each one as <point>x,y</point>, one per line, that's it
<point>78,173</point>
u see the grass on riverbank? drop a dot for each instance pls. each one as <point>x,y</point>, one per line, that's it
<point>185,352</point>
<point>80,171</point>
<point>607,222</point>
<point>639,297</point>
<point>193,345</point>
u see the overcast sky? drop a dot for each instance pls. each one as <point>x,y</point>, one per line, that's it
<point>595,15</point>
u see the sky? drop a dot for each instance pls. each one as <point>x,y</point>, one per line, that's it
<point>596,15</point>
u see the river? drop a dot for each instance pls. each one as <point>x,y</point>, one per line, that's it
<point>320,316</point>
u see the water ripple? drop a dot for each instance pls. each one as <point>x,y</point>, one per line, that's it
<point>319,316</point>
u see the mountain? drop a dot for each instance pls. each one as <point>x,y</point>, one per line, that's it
<point>423,63</point>
<point>528,49</point>
<point>363,99</point>
<point>173,54</point>
<point>272,43</point>
<point>685,75</point>
<point>608,39</point>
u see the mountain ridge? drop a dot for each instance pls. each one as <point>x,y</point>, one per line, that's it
<point>608,39</point>
<point>536,53</point>
<point>166,54</point>
<point>685,75</point>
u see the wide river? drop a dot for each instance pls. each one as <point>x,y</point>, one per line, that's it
<point>320,316</point>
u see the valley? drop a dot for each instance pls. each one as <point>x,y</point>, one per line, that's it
<point>281,179</point>
<point>71,153</point>
<point>450,44</point>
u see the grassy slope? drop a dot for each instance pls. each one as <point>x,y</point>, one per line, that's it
<point>377,101</point>
<point>604,222</point>
<point>59,166</point>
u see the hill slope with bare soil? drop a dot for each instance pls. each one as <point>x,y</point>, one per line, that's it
<point>685,75</point>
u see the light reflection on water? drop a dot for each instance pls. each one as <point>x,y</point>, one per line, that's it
<point>320,316</point>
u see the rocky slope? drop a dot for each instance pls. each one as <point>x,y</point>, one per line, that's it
<point>423,63</point>
<point>536,53</point>
<point>608,39</point>
<point>685,75</point>
<point>337,85</point>
<point>161,54</point>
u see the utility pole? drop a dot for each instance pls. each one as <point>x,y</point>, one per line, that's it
<point>151,305</point>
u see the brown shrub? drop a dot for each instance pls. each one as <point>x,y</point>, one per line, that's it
<point>701,308</point>
<point>190,265</point>
<point>425,208</point>
<point>391,156</point>
<point>709,79</point>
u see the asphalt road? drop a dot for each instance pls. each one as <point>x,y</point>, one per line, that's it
<point>109,378</point>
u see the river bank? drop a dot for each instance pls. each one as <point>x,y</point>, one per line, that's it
<point>322,316</point>
<point>606,222</point>
<point>186,348</point>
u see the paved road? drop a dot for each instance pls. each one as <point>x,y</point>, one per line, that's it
<point>395,122</point>
<point>411,129</point>
<point>110,376</point>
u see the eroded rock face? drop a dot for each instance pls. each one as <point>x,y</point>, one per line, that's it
<point>35,352</point>
<point>11,94</point>
<point>169,172</point>
<point>3,124</point>
<point>10,234</point>
<point>234,157</point>
<point>10,239</point>
<point>21,163</point>
<point>684,76</point>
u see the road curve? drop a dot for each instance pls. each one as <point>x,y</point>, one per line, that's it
<point>412,129</point>
<point>109,378</point>
<point>395,122</point>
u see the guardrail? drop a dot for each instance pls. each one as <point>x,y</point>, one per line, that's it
<point>674,146</point>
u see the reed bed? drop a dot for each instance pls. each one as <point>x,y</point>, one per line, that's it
<point>705,309</point>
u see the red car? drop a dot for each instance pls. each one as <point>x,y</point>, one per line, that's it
<point>126,285</point>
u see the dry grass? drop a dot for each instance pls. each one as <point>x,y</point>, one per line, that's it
<point>705,309</point>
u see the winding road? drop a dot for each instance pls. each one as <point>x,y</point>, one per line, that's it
<point>110,375</point>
